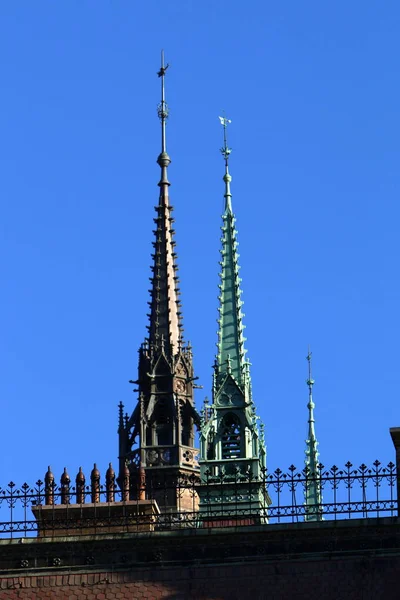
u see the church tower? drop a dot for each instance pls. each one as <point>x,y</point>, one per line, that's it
<point>233,454</point>
<point>156,443</point>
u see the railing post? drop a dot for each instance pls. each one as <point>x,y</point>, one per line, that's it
<point>395,435</point>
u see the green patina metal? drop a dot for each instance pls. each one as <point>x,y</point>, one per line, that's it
<point>313,496</point>
<point>231,352</point>
<point>233,454</point>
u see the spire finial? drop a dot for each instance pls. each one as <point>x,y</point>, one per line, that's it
<point>225,151</point>
<point>120,416</point>
<point>163,159</point>
<point>310,381</point>
<point>313,497</point>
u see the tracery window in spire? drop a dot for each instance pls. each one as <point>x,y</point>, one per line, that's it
<point>231,437</point>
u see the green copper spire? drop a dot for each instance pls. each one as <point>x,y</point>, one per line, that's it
<point>231,352</point>
<point>312,494</point>
<point>232,445</point>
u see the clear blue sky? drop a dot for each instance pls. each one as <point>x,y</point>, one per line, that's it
<point>313,92</point>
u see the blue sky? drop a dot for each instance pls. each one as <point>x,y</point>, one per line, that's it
<point>312,90</point>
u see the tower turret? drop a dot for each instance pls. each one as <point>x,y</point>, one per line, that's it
<point>232,450</point>
<point>313,498</point>
<point>159,435</point>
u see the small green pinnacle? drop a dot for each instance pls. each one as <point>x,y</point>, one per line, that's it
<point>312,494</point>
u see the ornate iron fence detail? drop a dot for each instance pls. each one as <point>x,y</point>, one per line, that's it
<point>49,509</point>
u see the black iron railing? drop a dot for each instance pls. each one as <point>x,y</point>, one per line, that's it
<point>292,496</point>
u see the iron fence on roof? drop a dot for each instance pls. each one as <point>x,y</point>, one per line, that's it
<point>49,509</point>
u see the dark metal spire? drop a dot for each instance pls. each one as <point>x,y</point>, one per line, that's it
<point>164,414</point>
<point>165,331</point>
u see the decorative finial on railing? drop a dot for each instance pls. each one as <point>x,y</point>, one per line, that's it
<point>49,487</point>
<point>110,484</point>
<point>125,482</point>
<point>142,484</point>
<point>65,486</point>
<point>95,484</point>
<point>80,487</point>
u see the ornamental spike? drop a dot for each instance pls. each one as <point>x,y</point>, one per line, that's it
<point>312,493</point>
<point>120,417</point>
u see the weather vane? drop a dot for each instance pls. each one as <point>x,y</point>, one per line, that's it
<point>225,151</point>
<point>162,107</point>
<point>310,380</point>
<point>163,111</point>
<point>163,68</point>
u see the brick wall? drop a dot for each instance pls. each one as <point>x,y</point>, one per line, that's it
<point>355,559</point>
<point>361,578</point>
